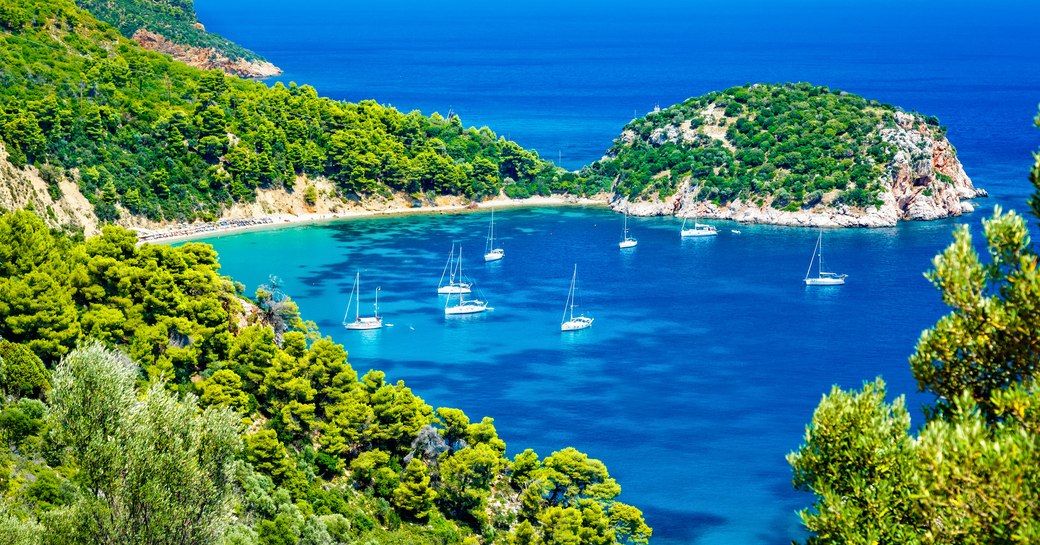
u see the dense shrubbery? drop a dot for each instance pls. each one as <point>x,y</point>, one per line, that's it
<point>156,138</point>
<point>788,143</point>
<point>326,456</point>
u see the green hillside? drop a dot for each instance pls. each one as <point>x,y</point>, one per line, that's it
<point>155,138</point>
<point>789,145</point>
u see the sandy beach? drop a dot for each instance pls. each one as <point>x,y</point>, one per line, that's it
<point>196,230</point>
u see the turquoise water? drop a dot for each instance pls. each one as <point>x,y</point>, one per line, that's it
<point>704,364</point>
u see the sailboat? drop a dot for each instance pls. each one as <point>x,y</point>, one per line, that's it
<point>568,322</point>
<point>698,230</point>
<point>627,241</point>
<point>464,306</point>
<point>492,253</point>
<point>822,278</point>
<point>453,269</point>
<point>361,322</point>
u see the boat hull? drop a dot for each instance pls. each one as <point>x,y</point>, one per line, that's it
<point>627,244</point>
<point>698,230</point>
<point>824,281</point>
<point>467,307</point>
<point>574,324</point>
<point>364,324</point>
<point>494,255</point>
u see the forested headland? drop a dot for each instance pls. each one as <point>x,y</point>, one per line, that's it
<point>147,136</point>
<point>791,148</point>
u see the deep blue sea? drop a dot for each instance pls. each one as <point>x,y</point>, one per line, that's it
<point>707,357</point>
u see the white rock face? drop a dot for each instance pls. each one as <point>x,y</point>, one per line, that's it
<point>25,186</point>
<point>924,181</point>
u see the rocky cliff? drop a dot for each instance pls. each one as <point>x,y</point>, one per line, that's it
<point>206,58</point>
<point>51,192</point>
<point>911,171</point>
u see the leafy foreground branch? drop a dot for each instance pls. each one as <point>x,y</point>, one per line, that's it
<point>972,473</point>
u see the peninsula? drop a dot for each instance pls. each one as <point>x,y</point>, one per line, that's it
<point>790,154</point>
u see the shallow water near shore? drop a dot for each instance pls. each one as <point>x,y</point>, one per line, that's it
<point>703,366</point>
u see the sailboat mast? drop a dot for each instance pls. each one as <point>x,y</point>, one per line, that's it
<point>459,267</point>
<point>569,305</point>
<point>449,263</point>
<point>376,309</point>
<point>346,313</point>
<point>820,264</point>
<point>454,265</point>
<point>491,234</point>
<point>574,285</point>
<point>357,286</point>
<point>574,288</point>
<point>813,258</point>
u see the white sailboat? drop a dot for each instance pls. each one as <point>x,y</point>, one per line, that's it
<point>822,278</point>
<point>453,269</point>
<point>627,241</point>
<point>464,306</point>
<point>490,252</point>
<point>568,322</point>
<point>698,230</point>
<point>361,322</point>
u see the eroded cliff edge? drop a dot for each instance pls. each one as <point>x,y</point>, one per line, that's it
<point>205,58</point>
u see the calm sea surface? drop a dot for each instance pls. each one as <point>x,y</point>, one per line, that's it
<point>707,357</point>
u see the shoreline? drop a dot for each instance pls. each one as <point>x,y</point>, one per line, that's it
<point>193,231</point>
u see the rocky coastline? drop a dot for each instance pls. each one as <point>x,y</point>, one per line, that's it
<point>924,181</point>
<point>205,58</point>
